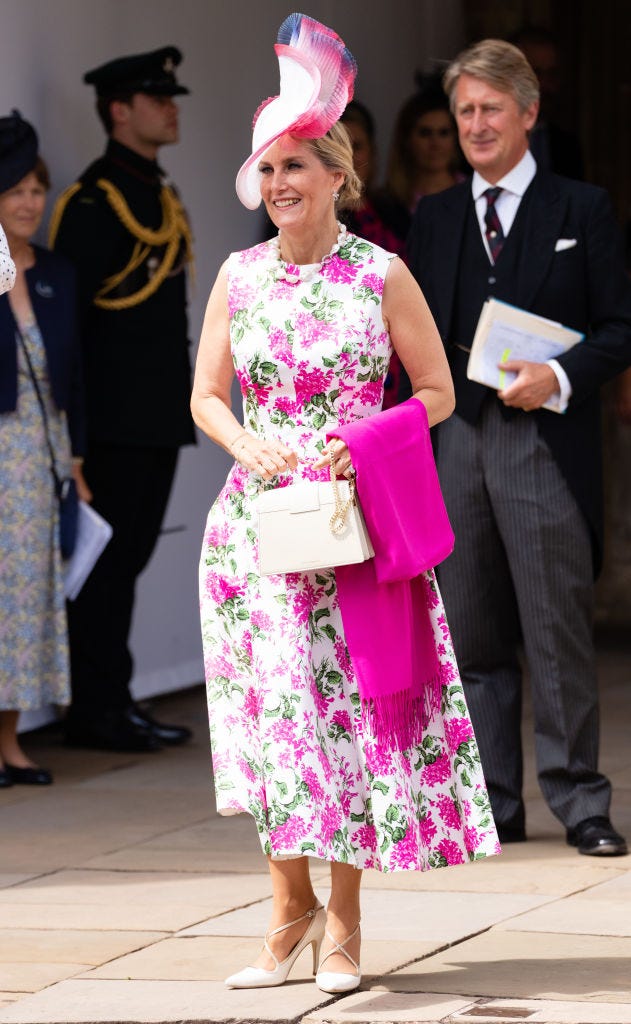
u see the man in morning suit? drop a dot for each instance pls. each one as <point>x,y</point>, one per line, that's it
<point>521,483</point>
<point>125,230</point>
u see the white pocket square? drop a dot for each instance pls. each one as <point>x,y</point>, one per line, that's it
<point>564,243</point>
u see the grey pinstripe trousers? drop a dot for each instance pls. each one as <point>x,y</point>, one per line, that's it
<point>521,573</point>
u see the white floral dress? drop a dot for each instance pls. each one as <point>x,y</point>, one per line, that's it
<point>289,745</point>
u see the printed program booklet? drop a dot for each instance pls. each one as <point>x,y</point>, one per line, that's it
<point>506,332</point>
<point>93,534</point>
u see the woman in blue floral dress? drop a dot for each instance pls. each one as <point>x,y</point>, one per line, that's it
<point>308,322</point>
<point>38,338</point>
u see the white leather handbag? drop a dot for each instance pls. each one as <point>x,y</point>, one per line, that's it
<point>311,525</point>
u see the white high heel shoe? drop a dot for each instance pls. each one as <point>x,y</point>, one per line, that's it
<point>335,981</point>
<point>258,977</point>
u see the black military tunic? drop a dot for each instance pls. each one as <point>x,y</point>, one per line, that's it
<point>136,359</point>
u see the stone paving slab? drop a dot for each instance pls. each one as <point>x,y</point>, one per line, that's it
<point>557,873</point>
<point>98,916</point>
<point>206,846</point>
<point>72,825</point>
<point>8,998</point>
<point>389,1008</point>
<point>515,965</point>
<point>576,915</point>
<point>616,889</point>
<point>206,958</point>
<point>220,891</point>
<point>31,945</point>
<point>11,878</point>
<point>543,1011</point>
<point>396,916</point>
<point>31,977</point>
<point>161,1002</point>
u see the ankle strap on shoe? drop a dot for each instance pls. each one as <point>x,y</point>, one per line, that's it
<point>283,928</point>
<point>338,947</point>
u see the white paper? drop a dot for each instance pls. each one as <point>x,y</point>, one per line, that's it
<point>504,342</point>
<point>93,534</point>
<point>505,332</point>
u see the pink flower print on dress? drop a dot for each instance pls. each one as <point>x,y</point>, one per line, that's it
<point>253,703</point>
<point>438,772</point>
<point>448,673</point>
<point>451,851</point>
<point>458,731</point>
<point>372,281</point>
<point>254,255</point>
<point>217,536</point>
<point>247,770</point>
<point>343,658</point>
<point>472,838</point>
<point>311,779</point>
<point>283,730</point>
<point>372,393</point>
<point>288,835</point>
<point>331,821</point>
<point>378,759</point>
<point>322,703</point>
<point>449,814</point>
<point>366,836</point>
<point>286,406</point>
<point>261,620</point>
<point>431,595</point>
<point>427,830</point>
<point>311,331</point>
<point>220,666</point>
<point>246,644</point>
<point>342,719</point>
<point>261,392</point>
<point>339,271</point>
<point>310,382</point>
<point>265,706</point>
<point>405,851</point>
<point>240,296</point>
<point>222,589</point>
<point>279,346</point>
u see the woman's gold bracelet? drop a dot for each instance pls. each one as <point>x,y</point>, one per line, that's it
<point>240,437</point>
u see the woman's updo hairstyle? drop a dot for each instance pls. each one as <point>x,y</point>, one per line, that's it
<point>335,151</point>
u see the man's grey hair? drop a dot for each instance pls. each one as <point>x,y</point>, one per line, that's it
<point>500,64</point>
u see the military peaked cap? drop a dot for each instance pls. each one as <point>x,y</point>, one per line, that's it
<point>152,73</point>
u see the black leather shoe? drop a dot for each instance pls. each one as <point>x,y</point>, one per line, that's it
<point>28,776</point>
<point>511,834</point>
<point>597,837</point>
<point>111,730</point>
<point>172,735</point>
<point>5,779</point>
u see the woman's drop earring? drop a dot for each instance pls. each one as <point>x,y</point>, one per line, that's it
<point>336,196</point>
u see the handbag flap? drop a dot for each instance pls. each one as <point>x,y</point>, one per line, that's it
<point>304,496</point>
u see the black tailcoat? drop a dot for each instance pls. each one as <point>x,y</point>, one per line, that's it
<point>582,285</point>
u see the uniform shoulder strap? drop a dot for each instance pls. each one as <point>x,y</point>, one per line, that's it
<point>59,209</point>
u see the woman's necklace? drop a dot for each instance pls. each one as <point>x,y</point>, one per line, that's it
<point>295,273</point>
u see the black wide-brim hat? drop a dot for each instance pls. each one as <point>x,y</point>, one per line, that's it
<point>18,149</point>
<point>152,73</point>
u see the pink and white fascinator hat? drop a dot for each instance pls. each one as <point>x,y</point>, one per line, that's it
<point>317,73</point>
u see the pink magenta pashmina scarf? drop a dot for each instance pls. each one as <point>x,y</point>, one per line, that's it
<point>383,601</point>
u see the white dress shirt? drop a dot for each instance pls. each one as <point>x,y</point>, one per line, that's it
<point>514,185</point>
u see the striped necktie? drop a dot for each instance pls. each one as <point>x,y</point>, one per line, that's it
<point>494,234</point>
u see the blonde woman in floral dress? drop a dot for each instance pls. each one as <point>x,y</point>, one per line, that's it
<point>308,322</point>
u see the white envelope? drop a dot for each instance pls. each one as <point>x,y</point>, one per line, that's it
<point>564,243</point>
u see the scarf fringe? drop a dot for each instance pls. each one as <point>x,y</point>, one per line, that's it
<point>399,720</point>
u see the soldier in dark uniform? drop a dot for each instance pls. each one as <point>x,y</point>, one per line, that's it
<point>126,231</point>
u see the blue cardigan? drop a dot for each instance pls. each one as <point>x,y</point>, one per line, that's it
<point>52,290</point>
